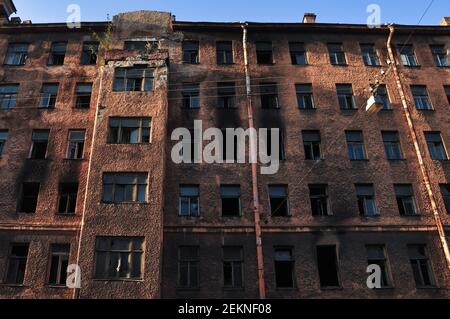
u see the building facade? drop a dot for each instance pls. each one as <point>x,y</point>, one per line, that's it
<point>86,122</point>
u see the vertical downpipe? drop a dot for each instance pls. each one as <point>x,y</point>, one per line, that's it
<point>254,162</point>
<point>412,131</point>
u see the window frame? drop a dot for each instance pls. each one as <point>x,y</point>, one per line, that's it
<point>354,145</point>
<point>87,53</point>
<point>337,57</point>
<point>60,256</point>
<point>222,55</point>
<point>399,189</point>
<point>136,186</point>
<point>291,262</point>
<point>261,60</point>
<point>370,57</point>
<point>323,197</point>
<point>345,96</point>
<point>436,147</point>
<point>234,262</point>
<point>390,144</point>
<point>70,198</point>
<point>125,81</point>
<point>52,58</point>
<point>120,130</point>
<point>305,91</point>
<point>3,139</point>
<point>193,53</point>
<point>31,155</point>
<point>9,98</point>
<point>189,198</point>
<point>285,198</point>
<point>19,258</point>
<point>23,55</point>
<point>298,48</point>
<point>238,198</point>
<point>190,262</point>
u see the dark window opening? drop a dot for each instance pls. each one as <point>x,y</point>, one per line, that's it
<point>311,143</point>
<point>318,195</point>
<point>29,200</point>
<point>189,201</point>
<point>356,148</point>
<point>279,202</point>
<point>284,268</point>
<point>233,262</point>
<point>231,201</point>
<point>366,200</point>
<point>49,94</point>
<point>264,53</point>
<point>136,79</point>
<point>269,96</point>
<point>125,188</point>
<point>191,96</point>
<point>445,191</point>
<point>141,46</point>
<point>224,52</point>
<point>392,146</point>
<point>39,144</point>
<point>305,99</point>
<point>327,262</point>
<point>188,267</point>
<point>421,266</point>
<point>8,96</point>
<point>83,95</point>
<point>405,200</point>
<point>226,95</point>
<point>17,54</point>
<point>345,97</point>
<point>90,53</point>
<point>298,53</point>
<point>58,53</point>
<point>59,263</point>
<point>436,146</point>
<point>3,138</point>
<point>447,92</point>
<point>190,52</point>
<point>270,148</point>
<point>383,94</point>
<point>337,54</point>
<point>17,263</point>
<point>68,193</point>
<point>129,130</point>
<point>75,147</point>
<point>376,255</point>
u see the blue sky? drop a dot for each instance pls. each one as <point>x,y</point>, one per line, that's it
<point>343,11</point>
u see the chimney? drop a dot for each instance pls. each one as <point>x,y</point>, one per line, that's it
<point>445,21</point>
<point>309,18</point>
<point>7,8</point>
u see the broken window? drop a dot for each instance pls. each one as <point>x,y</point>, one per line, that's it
<point>226,92</point>
<point>269,96</point>
<point>190,52</point>
<point>447,92</point>
<point>382,93</point>
<point>83,95</point>
<point>366,200</point>
<point>8,96</point>
<point>191,95</point>
<point>58,264</point>
<point>233,261</point>
<point>305,98</point>
<point>231,200</point>
<point>270,147</point>
<point>346,97</point>
<point>369,54</point>
<point>355,143</point>
<point>298,53</point>
<point>141,46</point>
<point>337,55</point>
<point>119,258</point>
<point>440,55</point>
<point>311,143</point>
<point>3,138</point>
<point>68,193</point>
<point>405,200</point>
<point>58,53</point>
<point>29,200</point>
<point>17,263</point>
<point>125,187</point>
<point>408,56</point>
<point>75,146</point>
<point>49,93</point>
<point>327,263</point>
<point>90,53</point>
<point>445,191</point>
<point>279,203</point>
<point>227,149</point>
<point>420,263</point>
<point>135,79</point>
<point>264,53</point>
<point>189,201</point>
<point>224,52</point>
<point>435,146</point>
<point>318,195</point>
<point>17,54</point>
<point>129,130</point>
<point>392,145</point>
<point>39,144</point>
<point>421,98</point>
<point>284,268</point>
<point>188,264</point>
<point>376,255</point>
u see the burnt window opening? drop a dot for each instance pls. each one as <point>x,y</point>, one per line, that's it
<point>318,195</point>
<point>83,96</point>
<point>421,98</point>
<point>119,258</point>
<point>447,92</point>
<point>226,92</point>
<point>345,96</point>
<point>57,53</point>
<point>382,93</point>
<point>445,192</point>
<point>141,46</point>
<point>125,188</point>
<point>75,146</point>
<point>49,94</point>
<point>405,200</point>
<point>369,54</point>
<point>436,146</point>
<point>135,79</point>
<point>421,266</point>
<point>17,54</point>
<point>312,145</point>
<point>337,54</point>
<point>392,145</point>
<point>39,144</point>
<point>189,201</point>
<point>3,138</point>
<point>233,262</point>
<point>191,52</point>
<point>284,268</point>
<point>298,53</point>
<point>59,261</point>
<point>355,144</point>
<point>269,143</point>
<point>191,95</point>
<point>269,96</point>
<point>231,200</point>
<point>264,54</point>
<point>188,267</point>
<point>305,98</point>
<point>279,201</point>
<point>89,54</point>
<point>29,199</point>
<point>366,200</point>
<point>327,263</point>
<point>129,130</point>
<point>376,255</point>
<point>407,55</point>
<point>68,193</point>
<point>17,264</point>
<point>224,50</point>
<point>227,149</point>
<point>8,96</point>
<point>440,55</point>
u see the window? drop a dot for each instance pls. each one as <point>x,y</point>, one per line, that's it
<point>49,94</point>
<point>233,262</point>
<point>129,130</point>
<point>345,96</point>
<point>369,54</point>
<point>421,266</point>
<point>435,146</point>
<point>17,54</point>
<point>270,147</point>
<point>408,56</point>
<point>224,52</point>
<point>90,53</point>
<point>58,53</point>
<point>226,95</point>
<point>445,191</point>
<point>264,52</point>
<point>421,99</point>
<point>83,95</point>
<point>376,255</point>
<point>305,98</point>
<point>405,200</point>
<point>284,268</point>
<point>355,143</point>
<point>188,272</point>
<point>311,143</point>
<point>298,53</point>
<point>68,193</point>
<point>327,263</point>
<point>189,201</point>
<point>8,96</point>
<point>29,200</point>
<point>383,94</point>
<point>447,92</point>
<point>125,187</point>
<point>190,52</point>
<point>318,195</point>
<point>392,146</point>
<point>136,79</point>
<point>231,200</point>
<point>119,258</point>
<point>337,55</point>
<point>191,96</point>
<point>366,200</point>
<point>141,46</point>
<point>17,263</point>
<point>58,264</point>
<point>75,146</point>
<point>279,204</point>
<point>440,55</point>
<point>3,138</point>
<point>269,95</point>
<point>39,144</point>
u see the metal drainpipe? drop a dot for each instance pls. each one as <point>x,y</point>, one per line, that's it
<point>412,130</point>
<point>253,143</point>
